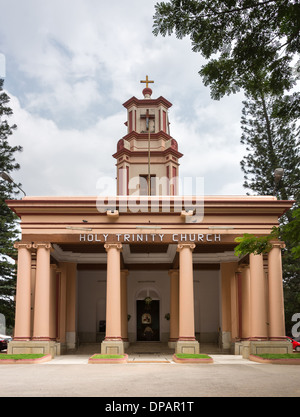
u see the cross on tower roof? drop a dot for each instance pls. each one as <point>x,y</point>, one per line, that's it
<point>147,81</point>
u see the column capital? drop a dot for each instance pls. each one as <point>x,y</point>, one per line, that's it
<point>277,244</point>
<point>18,245</point>
<point>117,246</point>
<point>181,246</point>
<point>44,245</point>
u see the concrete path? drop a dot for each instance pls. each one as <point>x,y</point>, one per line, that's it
<point>143,358</point>
<point>72,376</point>
<point>141,352</point>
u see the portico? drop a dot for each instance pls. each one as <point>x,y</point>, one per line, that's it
<point>58,273</point>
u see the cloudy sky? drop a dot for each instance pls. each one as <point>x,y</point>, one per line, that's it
<point>69,67</point>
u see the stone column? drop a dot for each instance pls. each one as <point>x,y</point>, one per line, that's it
<point>226,271</point>
<point>234,304</point>
<point>259,336</point>
<point>71,275</point>
<point>258,307</point>
<point>186,341</point>
<point>124,310</point>
<point>62,305</point>
<point>245,271</point>
<point>53,305</point>
<point>33,276</point>
<point>113,340</point>
<point>41,326</point>
<point>23,293</point>
<point>276,303</point>
<point>174,307</point>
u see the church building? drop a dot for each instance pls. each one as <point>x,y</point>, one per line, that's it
<point>147,264</point>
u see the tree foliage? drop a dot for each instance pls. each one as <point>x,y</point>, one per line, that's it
<point>257,245</point>
<point>8,220</point>
<point>253,46</point>
<point>291,234</point>
<point>243,41</point>
<point>271,142</point>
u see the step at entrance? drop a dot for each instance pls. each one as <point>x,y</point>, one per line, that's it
<point>149,357</point>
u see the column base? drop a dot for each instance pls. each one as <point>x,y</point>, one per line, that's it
<point>226,340</point>
<point>44,347</point>
<point>126,343</point>
<point>256,347</point>
<point>172,343</point>
<point>187,346</point>
<point>71,340</point>
<point>112,347</point>
<point>22,339</point>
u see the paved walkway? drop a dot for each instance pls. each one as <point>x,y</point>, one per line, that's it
<point>147,353</point>
<point>72,376</point>
<point>152,352</point>
<point>149,359</point>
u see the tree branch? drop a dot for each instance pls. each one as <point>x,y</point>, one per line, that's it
<point>239,9</point>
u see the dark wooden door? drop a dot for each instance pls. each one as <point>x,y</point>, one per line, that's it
<point>147,320</point>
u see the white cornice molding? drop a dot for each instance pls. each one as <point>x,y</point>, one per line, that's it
<point>213,258</point>
<point>68,256</point>
<point>141,258</point>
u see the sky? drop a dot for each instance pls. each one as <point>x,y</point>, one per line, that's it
<point>69,66</point>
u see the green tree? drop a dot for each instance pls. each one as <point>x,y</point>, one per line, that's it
<point>253,46</point>
<point>8,220</point>
<point>241,40</point>
<point>290,234</point>
<point>271,143</point>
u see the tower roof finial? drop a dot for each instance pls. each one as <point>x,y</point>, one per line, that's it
<point>147,91</point>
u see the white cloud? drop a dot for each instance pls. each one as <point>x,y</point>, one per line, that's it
<point>63,162</point>
<point>71,65</point>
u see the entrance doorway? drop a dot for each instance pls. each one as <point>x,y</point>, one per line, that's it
<point>147,320</point>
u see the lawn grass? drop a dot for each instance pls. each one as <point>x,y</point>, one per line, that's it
<point>21,356</point>
<point>279,356</point>
<point>192,356</point>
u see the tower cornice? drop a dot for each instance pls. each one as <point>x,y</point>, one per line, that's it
<point>125,151</point>
<point>147,102</point>
<point>154,136</point>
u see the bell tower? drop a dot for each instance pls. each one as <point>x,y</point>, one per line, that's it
<point>147,156</point>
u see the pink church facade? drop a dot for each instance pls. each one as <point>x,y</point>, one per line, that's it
<point>147,264</point>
